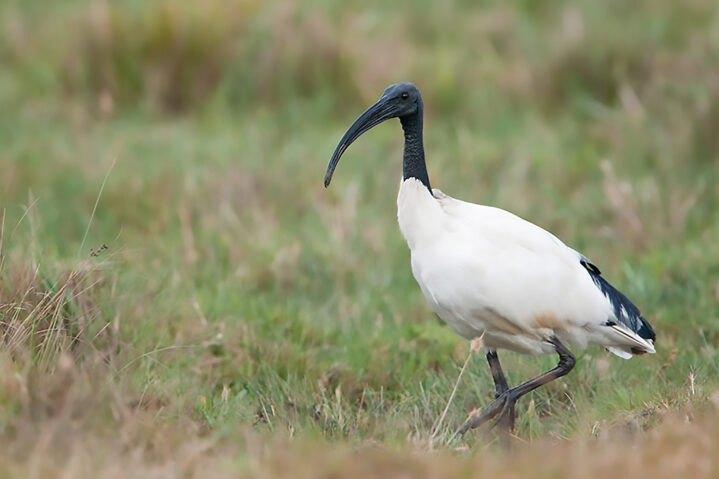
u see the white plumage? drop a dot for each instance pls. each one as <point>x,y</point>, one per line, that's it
<point>486,271</point>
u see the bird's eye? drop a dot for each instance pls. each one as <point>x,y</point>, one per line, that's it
<point>405,95</point>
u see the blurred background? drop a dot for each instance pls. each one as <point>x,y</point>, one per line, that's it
<point>238,300</point>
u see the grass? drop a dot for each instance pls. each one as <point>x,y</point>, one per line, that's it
<point>245,321</point>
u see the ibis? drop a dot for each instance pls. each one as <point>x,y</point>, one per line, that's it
<point>487,272</point>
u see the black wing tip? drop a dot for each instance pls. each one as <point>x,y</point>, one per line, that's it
<point>625,311</point>
<point>645,330</point>
<point>589,266</point>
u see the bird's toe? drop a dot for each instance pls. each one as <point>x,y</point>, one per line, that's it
<point>501,409</point>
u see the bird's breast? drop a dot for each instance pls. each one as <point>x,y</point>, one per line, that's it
<point>420,216</point>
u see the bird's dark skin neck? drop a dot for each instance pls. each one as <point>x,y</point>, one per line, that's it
<point>414,165</point>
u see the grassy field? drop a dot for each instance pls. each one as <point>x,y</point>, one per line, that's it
<point>180,296</point>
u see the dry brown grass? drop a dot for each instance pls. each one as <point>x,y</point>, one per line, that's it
<point>60,436</point>
<point>679,447</point>
<point>46,316</point>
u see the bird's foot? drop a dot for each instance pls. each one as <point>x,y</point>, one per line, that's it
<point>501,409</point>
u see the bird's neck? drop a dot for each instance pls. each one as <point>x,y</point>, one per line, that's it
<point>414,165</point>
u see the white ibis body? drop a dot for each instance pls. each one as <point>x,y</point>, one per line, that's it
<point>489,273</point>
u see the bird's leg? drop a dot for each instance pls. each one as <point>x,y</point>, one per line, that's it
<point>500,382</point>
<point>508,398</point>
<point>506,423</point>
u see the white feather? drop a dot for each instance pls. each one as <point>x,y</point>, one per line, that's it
<point>619,352</point>
<point>633,338</point>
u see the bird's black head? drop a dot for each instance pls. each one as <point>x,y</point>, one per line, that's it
<point>400,100</point>
<point>403,97</point>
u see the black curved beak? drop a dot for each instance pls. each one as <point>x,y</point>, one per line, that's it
<point>373,116</point>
